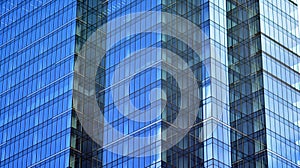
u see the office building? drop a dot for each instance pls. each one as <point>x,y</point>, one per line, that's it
<point>73,72</point>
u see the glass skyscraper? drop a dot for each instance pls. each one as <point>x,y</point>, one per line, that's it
<point>37,40</point>
<point>60,100</point>
<point>263,54</point>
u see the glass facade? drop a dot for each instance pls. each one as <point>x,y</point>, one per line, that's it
<point>247,119</point>
<point>280,58</point>
<point>36,78</point>
<point>263,47</point>
<point>210,71</point>
<point>53,84</point>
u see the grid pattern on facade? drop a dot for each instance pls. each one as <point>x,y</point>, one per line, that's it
<point>36,48</point>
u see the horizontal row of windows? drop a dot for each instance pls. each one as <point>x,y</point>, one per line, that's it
<point>275,161</point>
<point>38,140</point>
<point>37,46</point>
<point>285,149</point>
<point>282,36</point>
<point>34,12</point>
<point>280,53</point>
<point>279,8</point>
<point>282,72</point>
<point>281,89</point>
<point>31,88</point>
<point>27,118</point>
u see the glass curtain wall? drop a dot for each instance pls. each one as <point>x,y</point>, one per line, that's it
<point>36,80</point>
